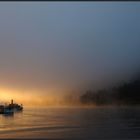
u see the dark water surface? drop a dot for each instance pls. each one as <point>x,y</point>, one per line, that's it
<point>73,123</point>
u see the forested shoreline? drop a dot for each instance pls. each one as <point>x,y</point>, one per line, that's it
<point>127,93</point>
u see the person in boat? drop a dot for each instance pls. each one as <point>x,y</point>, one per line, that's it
<point>15,106</point>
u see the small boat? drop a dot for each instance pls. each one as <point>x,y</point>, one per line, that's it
<point>10,108</point>
<point>8,111</point>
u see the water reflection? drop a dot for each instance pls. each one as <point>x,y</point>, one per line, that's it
<point>130,118</point>
<point>92,123</point>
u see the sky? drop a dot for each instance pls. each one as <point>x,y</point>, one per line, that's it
<point>49,49</point>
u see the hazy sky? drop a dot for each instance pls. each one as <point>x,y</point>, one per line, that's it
<point>57,47</point>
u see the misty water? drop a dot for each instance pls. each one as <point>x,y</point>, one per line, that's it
<point>73,123</point>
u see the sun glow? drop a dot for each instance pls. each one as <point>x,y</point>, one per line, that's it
<point>29,98</point>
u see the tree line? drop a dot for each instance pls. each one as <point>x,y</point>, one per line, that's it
<point>127,93</point>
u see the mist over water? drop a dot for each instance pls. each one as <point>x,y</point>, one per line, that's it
<point>70,65</point>
<point>53,49</point>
